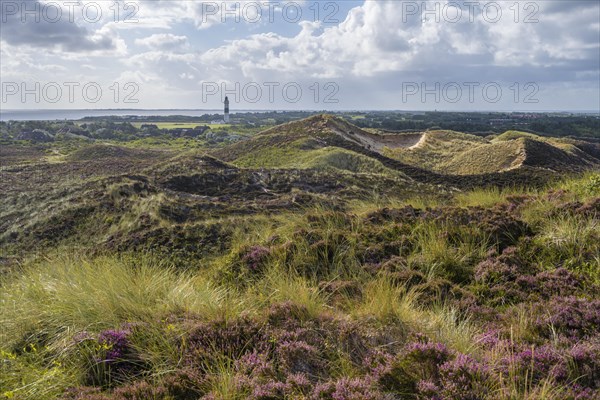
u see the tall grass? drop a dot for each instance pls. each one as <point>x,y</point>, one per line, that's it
<point>439,254</point>
<point>74,292</point>
<point>582,188</point>
<point>570,241</point>
<point>484,197</point>
<point>566,234</point>
<point>390,304</point>
<point>221,382</point>
<point>387,303</point>
<point>279,286</point>
<point>46,305</point>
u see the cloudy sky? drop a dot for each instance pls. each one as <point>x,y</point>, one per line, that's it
<point>400,55</point>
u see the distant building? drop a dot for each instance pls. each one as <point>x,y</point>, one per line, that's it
<point>226,113</point>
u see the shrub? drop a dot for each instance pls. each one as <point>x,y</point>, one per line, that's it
<point>585,363</point>
<point>464,378</point>
<point>347,389</point>
<point>245,265</point>
<point>574,317</point>
<point>298,357</point>
<point>533,364</point>
<point>113,358</point>
<point>210,341</point>
<point>255,257</point>
<point>418,362</point>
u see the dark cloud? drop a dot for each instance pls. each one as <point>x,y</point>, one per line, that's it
<point>25,23</point>
<point>562,7</point>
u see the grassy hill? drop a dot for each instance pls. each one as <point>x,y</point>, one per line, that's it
<point>434,157</point>
<point>105,195</point>
<point>487,158</point>
<point>437,148</point>
<point>455,153</point>
<point>308,153</point>
<point>106,151</point>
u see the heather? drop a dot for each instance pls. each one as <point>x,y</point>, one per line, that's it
<point>481,294</point>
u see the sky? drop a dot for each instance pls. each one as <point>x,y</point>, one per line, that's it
<point>309,55</point>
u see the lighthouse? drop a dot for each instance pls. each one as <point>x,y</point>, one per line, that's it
<point>226,113</point>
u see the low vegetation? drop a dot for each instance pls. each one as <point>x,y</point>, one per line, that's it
<point>332,277</point>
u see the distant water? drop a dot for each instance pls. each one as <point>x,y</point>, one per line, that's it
<point>53,115</point>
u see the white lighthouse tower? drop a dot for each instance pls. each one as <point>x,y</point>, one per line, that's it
<point>226,113</point>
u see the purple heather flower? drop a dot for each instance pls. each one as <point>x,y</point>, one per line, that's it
<point>115,342</point>
<point>255,257</point>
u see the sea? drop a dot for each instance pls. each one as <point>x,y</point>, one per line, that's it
<point>66,114</point>
<point>57,115</point>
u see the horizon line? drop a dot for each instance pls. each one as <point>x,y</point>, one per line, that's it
<point>293,110</point>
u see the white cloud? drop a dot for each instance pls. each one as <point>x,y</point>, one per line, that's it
<point>373,39</point>
<point>164,41</point>
<point>206,14</point>
<point>374,49</point>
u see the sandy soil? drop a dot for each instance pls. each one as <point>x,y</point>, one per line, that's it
<point>378,142</point>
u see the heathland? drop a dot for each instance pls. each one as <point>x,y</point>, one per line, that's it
<point>311,260</point>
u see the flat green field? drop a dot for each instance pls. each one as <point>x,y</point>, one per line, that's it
<point>174,125</point>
